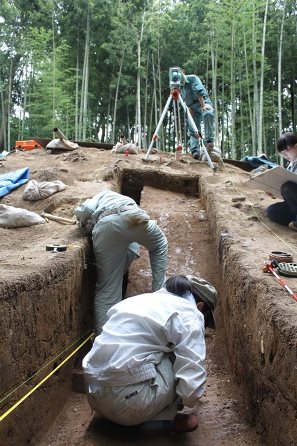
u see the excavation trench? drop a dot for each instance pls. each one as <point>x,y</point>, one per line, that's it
<point>183,218</point>
<point>250,382</point>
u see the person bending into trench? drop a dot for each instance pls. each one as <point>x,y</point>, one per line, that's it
<point>149,359</point>
<point>285,212</point>
<point>119,226</point>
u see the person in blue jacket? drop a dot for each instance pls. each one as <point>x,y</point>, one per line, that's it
<point>200,106</point>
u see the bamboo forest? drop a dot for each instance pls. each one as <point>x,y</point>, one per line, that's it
<point>97,69</point>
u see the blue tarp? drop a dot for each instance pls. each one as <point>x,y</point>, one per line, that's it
<point>11,180</point>
<point>256,161</point>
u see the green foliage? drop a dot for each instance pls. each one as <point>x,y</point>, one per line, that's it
<point>42,51</point>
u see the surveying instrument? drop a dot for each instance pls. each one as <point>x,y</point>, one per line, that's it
<point>175,79</point>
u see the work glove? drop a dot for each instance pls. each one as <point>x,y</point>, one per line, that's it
<point>207,107</point>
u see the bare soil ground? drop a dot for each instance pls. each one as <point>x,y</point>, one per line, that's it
<point>224,416</point>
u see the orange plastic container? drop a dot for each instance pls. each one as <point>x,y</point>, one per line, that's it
<point>29,144</point>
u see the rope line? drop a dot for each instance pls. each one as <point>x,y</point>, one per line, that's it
<point>42,368</point>
<point>45,378</point>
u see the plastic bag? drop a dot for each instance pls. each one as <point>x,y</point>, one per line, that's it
<point>11,180</point>
<point>60,144</point>
<point>37,190</point>
<point>11,217</point>
<point>122,148</point>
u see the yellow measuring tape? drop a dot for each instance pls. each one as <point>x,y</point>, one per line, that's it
<point>43,380</point>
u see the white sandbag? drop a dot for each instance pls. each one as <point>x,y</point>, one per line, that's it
<point>132,148</point>
<point>36,190</point>
<point>60,144</point>
<point>117,148</point>
<point>122,148</point>
<point>11,217</point>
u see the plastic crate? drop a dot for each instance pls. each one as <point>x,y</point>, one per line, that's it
<point>29,144</point>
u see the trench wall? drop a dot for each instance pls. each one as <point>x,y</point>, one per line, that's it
<point>41,315</point>
<point>262,343</point>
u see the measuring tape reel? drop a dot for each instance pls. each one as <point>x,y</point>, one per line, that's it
<point>280,256</point>
<point>56,248</point>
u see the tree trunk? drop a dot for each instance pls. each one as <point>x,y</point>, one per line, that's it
<point>214,61</point>
<point>84,87</point>
<point>223,110</point>
<point>261,93</point>
<point>138,95</point>
<point>154,109</point>
<point>107,118</point>
<point>279,77</point>
<point>24,103</point>
<point>250,111</point>
<point>86,78</point>
<point>255,83</point>
<point>9,107</point>
<point>54,73</point>
<point>232,87</point>
<point>128,125</point>
<point>161,142</point>
<point>76,125</point>
<point>279,71</point>
<point>293,105</point>
<point>146,104</point>
<point>116,96</point>
<point>3,121</point>
<point>242,133</point>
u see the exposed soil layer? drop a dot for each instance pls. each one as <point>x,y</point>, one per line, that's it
<point>46,298</point>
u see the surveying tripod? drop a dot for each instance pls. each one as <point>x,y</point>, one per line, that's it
<point>176,99</point>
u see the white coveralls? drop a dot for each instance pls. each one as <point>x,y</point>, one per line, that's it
<point>119,227</point>
<point>129,374</point>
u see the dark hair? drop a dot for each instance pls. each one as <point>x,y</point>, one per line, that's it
<point>178,285</point>
<point>207,313</point>
<point>286,140</point>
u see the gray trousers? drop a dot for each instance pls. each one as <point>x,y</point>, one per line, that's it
<point>130,405</point>
<point>114,244</point>
<point>283,212</point>
<point>208,121</point>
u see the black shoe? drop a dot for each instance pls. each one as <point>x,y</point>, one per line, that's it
<point>293,225</point>
<point>196,155</point>
<point>157,426</point>
<point>185,423</point>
